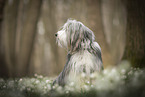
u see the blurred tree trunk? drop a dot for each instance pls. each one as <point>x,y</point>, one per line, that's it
<point>49,20</point>
<point>8,35</point>
<point>19,31</point>
<point>135,39</point>
<point>114,27</point>
<point>28,36</point>
<point>3,68</point>
<point>94,20</point>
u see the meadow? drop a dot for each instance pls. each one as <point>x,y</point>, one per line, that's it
<point>120,81</point>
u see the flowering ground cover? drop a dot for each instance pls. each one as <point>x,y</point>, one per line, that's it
<point>119,81</point>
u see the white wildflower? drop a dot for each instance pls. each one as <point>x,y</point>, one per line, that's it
<point>48,87</point>
<point>86,87</point>
<point>67,92</point>
<point>20,79</point>
<point>37,81</point>
<point>105,72</point>
<point>123,71</point>
<point>71,84</point>
<point>92,75</point>
<point>35,75</point>
<point>47,81</point>
<point>92,86</point>
<point>40,76</point>
<point>113,70</point>
<point>83,75</point>
<point>59,89</point>
<point>88,82</point>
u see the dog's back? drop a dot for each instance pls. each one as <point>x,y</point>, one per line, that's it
<point>84,61</point>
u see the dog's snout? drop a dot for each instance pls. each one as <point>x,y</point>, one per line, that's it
<point>56,34</point>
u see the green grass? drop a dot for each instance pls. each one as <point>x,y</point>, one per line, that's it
<point>120,81</point>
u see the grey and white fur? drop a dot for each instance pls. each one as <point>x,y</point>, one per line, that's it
<point>84,54</point>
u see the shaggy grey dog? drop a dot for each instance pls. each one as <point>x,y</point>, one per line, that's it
<point>84,54</point>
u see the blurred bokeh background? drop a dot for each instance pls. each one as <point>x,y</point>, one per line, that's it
<point>27,28</point>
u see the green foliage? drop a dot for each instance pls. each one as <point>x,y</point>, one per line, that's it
<point>120,81</point>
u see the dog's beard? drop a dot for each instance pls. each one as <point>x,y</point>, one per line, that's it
<point>62,39</point>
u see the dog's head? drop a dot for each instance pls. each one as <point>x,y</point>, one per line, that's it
<point>74,36</point>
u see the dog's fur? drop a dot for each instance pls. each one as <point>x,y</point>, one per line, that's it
<point>84,54</point>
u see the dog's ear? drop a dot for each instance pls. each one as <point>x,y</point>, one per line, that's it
<point>96,50</point>
<point>75,35</point>
<point>80,36</point>
<point>88,34</point>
